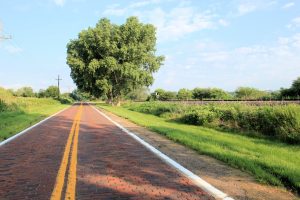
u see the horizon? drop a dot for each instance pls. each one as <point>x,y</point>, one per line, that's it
<point>207,44</point>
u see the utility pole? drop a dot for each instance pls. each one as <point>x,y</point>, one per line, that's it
<point>58,79</point>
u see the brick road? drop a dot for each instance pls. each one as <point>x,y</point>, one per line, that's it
<point>109,165</point>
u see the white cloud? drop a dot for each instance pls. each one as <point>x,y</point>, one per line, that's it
<point>295,23</point>
<point>285,48</point>
<point>211,65</point>
<point>180,21</point>
<point>288,5</point>
<point>59,2</point>
<point>171,24</point>
<point>13,49</point>
<point>139,4</point>
<point>118,10</point>
<point>223,22</point>
<point>214,56</point>
<point>246,8</point>
<point>115,10</point>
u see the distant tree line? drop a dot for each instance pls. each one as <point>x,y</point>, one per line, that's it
<point>241,93</point>
<point>52,92</point>
<point>143,94</point>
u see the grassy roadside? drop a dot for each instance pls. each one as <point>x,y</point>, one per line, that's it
<point>29,112</point>
<point>270,162</point>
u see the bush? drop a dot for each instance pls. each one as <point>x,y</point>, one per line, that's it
<point>227,113</point>
<point>65,100</point>
<point>154,108</point>
<point>198,117</point>
<point>280,122</point>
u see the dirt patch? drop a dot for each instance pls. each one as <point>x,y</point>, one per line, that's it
<point>237,184</point>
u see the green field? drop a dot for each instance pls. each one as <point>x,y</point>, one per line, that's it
<point>271,162</point>
<point>18,113</point>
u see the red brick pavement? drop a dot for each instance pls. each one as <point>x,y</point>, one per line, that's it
<point>111,165</point>
<point>29,164</point>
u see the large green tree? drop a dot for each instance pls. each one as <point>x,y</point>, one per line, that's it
<point>112,59</point>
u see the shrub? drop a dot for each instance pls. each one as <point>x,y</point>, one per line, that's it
<point>281,121</point>
<point>228,114</point>
<point>198,117</point>
<point>65,100</point>
<point>154,108</point>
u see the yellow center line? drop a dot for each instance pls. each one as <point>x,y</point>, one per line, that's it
<point>71,186</point>
<point>57,191</point>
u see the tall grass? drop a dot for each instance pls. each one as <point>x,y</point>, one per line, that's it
<point>281,122</point>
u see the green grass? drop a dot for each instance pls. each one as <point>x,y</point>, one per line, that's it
<point>275,122</point>
<point>270,162</point>
<point>26,112</point>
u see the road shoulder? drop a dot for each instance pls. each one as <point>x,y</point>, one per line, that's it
<point>234,182</point>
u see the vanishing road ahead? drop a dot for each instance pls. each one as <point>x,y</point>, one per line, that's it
<point>79,154</point>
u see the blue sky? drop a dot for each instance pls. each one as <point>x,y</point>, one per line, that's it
<point>209,43</point>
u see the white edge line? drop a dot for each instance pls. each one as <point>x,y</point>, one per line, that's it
<point>195,178</point>
<point>29,128</point>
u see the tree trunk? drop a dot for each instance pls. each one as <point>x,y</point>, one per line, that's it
<point>110,98</point>
<point>118,101</point>
<point>108,101</point>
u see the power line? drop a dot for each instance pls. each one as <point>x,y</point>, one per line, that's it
<point>58,79</point>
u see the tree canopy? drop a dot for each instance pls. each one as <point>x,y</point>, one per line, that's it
<point>210,93</point>
<point>249,93</point>
<point>293,91</point>
<point>163,95</point>
<point>184,94</point>
<point>25,92</point>
<point>112,59</point>
<point>51,91</point>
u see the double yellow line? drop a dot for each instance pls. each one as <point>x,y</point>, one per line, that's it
<point>60,179</point>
